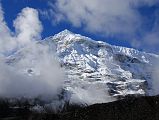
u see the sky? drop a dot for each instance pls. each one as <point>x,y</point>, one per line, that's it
<point>129,23</point>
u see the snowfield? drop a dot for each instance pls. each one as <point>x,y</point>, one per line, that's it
<point>96,72</point>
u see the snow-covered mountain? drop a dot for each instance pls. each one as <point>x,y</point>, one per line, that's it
<point>95,70</point>
<point>124,70</point>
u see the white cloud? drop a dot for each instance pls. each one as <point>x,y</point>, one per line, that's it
<point>6,43</point>
<point>98,16</point>
<point>117,18</point>
<point>93,93</point>
<point>150,40</point>
<point>110,17</point>
<point>28,26</point>
<point>37,71</point>
<point>155,80</point>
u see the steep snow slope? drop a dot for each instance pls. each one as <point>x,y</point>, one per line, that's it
<point>95,67</point>
<point>96,71</point>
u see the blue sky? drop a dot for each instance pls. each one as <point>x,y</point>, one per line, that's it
<point>135,28</point>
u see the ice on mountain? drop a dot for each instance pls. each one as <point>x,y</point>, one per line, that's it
<point>91,61</point>
<point>94,67</point>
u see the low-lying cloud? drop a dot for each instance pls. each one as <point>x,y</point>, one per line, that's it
<point>155,80</point>
<point>91,94</point>
<point>28,69</point>
<point>36,73</point>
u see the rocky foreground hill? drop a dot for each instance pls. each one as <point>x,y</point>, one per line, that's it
<point>129,108</point>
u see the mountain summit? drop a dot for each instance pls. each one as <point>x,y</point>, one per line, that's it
<point>97,72</point>
<point>95,66</point>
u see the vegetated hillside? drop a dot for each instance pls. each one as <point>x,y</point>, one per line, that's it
<point>129,108</point>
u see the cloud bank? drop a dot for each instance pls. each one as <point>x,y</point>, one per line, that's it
<point>35,70</point>
<point>37,73</point>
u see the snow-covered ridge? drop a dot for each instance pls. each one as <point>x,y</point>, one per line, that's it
<point>119,70</point>
<point>66,37</point>
<point>97,71</point>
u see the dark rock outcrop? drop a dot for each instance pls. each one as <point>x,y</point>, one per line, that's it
<point>129,108</point>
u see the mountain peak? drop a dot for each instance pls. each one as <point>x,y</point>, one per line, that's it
<point>65,32</point>
<point>96,68</point>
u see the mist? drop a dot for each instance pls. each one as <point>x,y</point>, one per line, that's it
<point>36,70</point>
<point>36,73</point>
<point>155,80</point>
<point>91,94</point>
